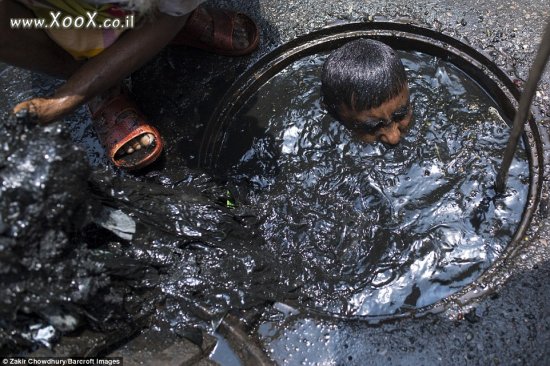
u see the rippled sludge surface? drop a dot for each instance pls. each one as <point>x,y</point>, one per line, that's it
<point>377,230</point>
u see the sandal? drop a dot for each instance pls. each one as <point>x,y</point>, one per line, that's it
<point>222,25</point>
<point>119,121</point>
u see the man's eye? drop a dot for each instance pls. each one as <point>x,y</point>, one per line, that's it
<point>396,117</point>
<point>384,122</point>
<point>399,115</point>
<point>374,124</point>
<point>366,126</point>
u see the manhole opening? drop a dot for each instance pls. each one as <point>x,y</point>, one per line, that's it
<point>279,134</point>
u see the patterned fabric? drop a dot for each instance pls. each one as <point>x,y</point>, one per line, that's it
<point>170,7</point>
<point>84,43</point>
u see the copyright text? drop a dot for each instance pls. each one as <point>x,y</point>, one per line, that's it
<point>61,361</point>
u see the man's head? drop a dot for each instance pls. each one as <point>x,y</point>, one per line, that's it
<point>365,87</point>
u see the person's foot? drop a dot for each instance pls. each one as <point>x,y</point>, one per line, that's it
<point>131,146</point>
<point>219,31</point>
<point>130,142</point>
<point>136,144</point>
<point>240,30</point>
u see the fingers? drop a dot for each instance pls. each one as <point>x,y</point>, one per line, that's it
<point>48,110</point>
<point>240,33</point>
<point>37,109</point>
<point>25,110</point>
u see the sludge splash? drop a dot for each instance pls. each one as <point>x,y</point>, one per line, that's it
<point>178,249</point>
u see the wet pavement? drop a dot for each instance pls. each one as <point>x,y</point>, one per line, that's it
<point>509,327</point>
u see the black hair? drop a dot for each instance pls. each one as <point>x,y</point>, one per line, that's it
<point>362,74</point>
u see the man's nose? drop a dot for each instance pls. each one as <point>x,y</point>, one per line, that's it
<point>390,135</point>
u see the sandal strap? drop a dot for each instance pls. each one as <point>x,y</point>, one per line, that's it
<point>119,121</point>
<point>220,22</point>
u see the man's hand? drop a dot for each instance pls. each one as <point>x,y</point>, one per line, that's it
<point>95,76</point>
<point>46,110</point>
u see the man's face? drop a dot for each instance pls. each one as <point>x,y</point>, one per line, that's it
<point>385,123</point>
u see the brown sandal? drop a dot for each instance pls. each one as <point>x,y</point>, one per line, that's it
<point>222,25</point>
<point>119,121</point>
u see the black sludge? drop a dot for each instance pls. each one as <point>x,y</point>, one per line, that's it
<point>45,271</point>
<point>85,250</point>
<point>377,230</point>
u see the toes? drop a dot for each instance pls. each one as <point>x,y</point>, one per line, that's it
<point>138,143</point>
<point>240,33</point>
<point>146,140</point>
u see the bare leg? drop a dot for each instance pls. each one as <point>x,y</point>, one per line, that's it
<point>31,48</point>
<point>131,51</point>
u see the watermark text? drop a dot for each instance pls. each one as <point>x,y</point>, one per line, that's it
<point>58,20</point>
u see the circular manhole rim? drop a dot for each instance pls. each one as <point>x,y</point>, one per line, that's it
<point>402,36</point>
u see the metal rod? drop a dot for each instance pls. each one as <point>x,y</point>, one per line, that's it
<point>523,110</point>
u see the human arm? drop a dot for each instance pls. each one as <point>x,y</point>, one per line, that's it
<point>126,55</point>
